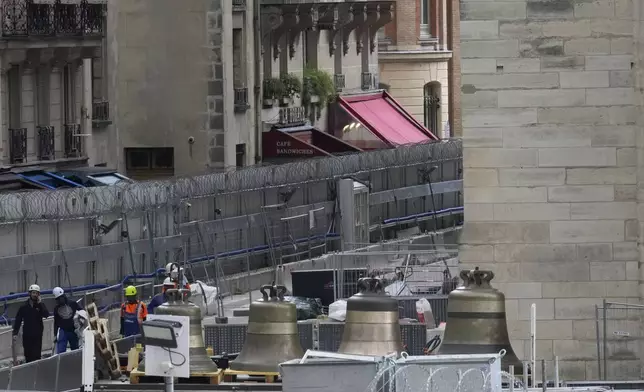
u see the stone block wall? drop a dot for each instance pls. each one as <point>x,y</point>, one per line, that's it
<point>549,125</point>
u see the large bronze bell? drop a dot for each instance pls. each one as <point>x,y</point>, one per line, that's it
<point>371,326</point>
<point>272,336</point>
<point>476,322</point>
<point>200,362</point>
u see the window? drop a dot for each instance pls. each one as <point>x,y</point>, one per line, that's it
<point>432,107</point>
<point>240,155</point>
<point>13,79</point>
<point>424,19</point>
<point>144,163</point>
<point>239,65</point>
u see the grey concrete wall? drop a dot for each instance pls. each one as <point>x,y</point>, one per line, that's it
<point>166,80</point>
<point>549,123</point>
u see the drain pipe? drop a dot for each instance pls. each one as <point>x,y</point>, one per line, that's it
<point>257,42</point>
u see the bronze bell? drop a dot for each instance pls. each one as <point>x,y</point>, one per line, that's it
<point>476,322</point>
<point>272,336</point>
<point>200,362</point>
<point>371,326</point>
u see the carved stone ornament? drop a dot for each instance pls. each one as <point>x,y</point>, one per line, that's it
<point>290,19</point>
<point>271,19</point>
<point>308,20</point>
<point>385,15</point>
<point>345,16</point>
<point>328,17</point>
<point>359,12</point>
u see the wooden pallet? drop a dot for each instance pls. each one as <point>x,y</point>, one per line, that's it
<point>268,377</point>
<point>212,378</point>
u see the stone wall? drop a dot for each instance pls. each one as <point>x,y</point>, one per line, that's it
<point>549,114</point>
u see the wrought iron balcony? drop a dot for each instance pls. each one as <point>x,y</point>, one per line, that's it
<point>26,18</point>
<point>100,113</point>
<point>338,80</point>
<point>73,142</point>
<point>241,100</point>
<point>291,116</point>
<point>17,145</point>
<point>46,144</point>
<point>239,5</point>
<point>367,81</point>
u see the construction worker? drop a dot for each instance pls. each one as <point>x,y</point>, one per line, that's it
<point>160,299</point>
<point>30,316</point>
<point>64,329</point>
<point>133,313</point>
<point>172,271</point>
<point>81,322</point>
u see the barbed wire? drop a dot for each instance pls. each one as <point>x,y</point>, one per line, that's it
<point>78,203</point>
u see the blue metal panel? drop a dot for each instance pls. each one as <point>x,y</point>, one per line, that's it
<point>35,181</point>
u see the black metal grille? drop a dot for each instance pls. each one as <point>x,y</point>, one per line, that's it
<point>24,18</point>
<point>100,111</point>
<point>18,145</point>
<point>46,146</point>
<point>241,100</point>
<point>338,80</point>
<point>73,144</point>
<point>239,4</point>
<point>367,80</point>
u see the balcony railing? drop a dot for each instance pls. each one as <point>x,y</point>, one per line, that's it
<point>25,18</point>
<point>338,80</point>
<point>241,100</point>
<point>73,142</point>
<point>17,145</point>
<point>290,116</point>
<point>100,113</point>
<point>239,5</point>
<point>46,146</point>
<point>367,80</point>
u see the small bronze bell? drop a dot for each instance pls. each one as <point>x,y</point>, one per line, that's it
<point>371,326</point>
<point>200,362</point>
<point>272,336</point>
<point>476,320</point>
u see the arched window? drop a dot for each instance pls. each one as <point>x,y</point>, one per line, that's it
<point>432,106</point>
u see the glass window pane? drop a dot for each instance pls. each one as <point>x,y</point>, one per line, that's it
<point>424,12</point>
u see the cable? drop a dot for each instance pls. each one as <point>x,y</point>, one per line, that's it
<point>170,352</point>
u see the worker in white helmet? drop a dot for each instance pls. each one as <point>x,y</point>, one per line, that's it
<point>30,316</point>
<point>81,322</point>
<point>64,329</point>
<point>160,299</point>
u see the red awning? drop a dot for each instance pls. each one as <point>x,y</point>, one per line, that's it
<point>385,118</point>
<point>302,142</point>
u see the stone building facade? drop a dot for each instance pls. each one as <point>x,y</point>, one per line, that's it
<point>552,133</point>
<point>186,77</point>
<point>417,61</point>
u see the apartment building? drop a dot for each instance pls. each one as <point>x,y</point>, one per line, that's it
<point>198,86</point>
<point>52,92</point>
<point>419,62</point>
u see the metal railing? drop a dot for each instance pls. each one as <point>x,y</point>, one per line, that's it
<point>367,81</point>
<point>17,145</point>
<point>46,143</point>
<point>26,18</point>
<point>239,5</point>
<point>295,115</point>
<point>339,82</point>
<point>100,111</point>
<point>73,142</point>
<point>618,328</point>
<point>241,100</point>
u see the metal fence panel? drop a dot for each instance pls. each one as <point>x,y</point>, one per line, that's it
<point>23,377</point>
<point>4,378</point>
<point>70,360</point>
<point>46,374</point>
<point>619,337</point>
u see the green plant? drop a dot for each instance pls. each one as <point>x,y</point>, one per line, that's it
<point>318,83</point>
<point>273,88</point>
<point>292,85</point>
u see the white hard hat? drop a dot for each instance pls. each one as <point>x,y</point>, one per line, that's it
<point>58,291</point>
<point>81,314</point>
<point>168,282</point>
<point>34,287</point>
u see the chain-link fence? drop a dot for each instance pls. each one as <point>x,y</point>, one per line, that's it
<point>619,339</point>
